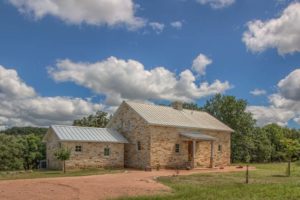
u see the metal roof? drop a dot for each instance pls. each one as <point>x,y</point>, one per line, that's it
<point>168,116</point>
<point>198,136</point>
<point>87,134</point>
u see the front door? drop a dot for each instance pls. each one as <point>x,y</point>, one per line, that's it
<point>190,151</point>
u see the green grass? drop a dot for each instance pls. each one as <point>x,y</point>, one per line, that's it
<point>268,182</point>
<point>10,175</point>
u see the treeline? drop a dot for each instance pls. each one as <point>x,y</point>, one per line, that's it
<point>249,143</point>
<point>21,148</point>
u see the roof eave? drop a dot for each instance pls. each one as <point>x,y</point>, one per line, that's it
<point>177,126</point>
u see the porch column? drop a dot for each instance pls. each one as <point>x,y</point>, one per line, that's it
<point>194,153</point>
<point>212,154</point>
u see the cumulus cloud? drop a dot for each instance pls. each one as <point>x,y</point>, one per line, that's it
<point>258,92</point>
<point>200,63</point>
<point>91,12</point>
<point>157,27</point>
<point>118,79</point>
<point>176,24</point>
<point>283,105</point>
<point>289,87</point>
<point>216,4</point>
<point>20,105</point>
<point>282,33</point>
<point>266,115</point>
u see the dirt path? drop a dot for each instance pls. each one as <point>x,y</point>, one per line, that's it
<point>91,187</point>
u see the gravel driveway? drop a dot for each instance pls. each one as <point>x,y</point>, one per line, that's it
<point>95,187</point>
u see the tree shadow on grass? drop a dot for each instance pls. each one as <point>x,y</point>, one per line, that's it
<point>279,175</point>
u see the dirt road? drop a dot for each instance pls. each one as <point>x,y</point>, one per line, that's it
<point>96,187</point>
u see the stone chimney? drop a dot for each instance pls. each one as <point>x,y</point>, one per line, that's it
<point>178,105</point>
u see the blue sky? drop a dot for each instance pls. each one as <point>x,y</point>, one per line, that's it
<point>58,65</point>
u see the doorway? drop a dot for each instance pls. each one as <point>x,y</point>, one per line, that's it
<point>190,151</point>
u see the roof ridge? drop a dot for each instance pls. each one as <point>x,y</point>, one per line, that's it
<point>145,103</point>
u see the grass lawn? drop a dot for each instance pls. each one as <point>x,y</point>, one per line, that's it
<point>266,183</point>
<point>5,175</point>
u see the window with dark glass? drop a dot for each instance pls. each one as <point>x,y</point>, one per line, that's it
<point>106,151</point>
<point>220,148</point>
<point>177,148</point>
<point>139,146</point>
<point>78,148</point>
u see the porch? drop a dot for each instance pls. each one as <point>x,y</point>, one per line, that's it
<point>193,140</point>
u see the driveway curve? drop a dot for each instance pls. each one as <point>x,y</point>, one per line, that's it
<point>96,187</point>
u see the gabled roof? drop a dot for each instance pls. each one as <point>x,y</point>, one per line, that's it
<point>87,134</point>
<point>168,116</point>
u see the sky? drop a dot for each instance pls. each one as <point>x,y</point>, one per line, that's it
<point>63,60</point>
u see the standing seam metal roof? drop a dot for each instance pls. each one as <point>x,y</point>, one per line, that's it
<point>87,134</point>
<point>168,116</point>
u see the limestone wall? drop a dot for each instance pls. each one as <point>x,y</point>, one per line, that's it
<point>135,129</point>
<point>92,155</point>
<point>163,140</point>
<point>52,144</point>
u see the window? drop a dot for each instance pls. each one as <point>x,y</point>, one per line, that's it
<point>139,146</point>
<point>220,148</point>
<point>177,148</point>
<point>106,151</point>
<point>78,148</point>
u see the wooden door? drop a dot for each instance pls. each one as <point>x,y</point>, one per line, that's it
<point>190,151</point>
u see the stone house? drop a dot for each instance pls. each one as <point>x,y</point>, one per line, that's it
<point>151,136</point>
<point>90,147</point>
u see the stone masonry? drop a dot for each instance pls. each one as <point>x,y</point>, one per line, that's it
<point>91,156</point>
<point>158,143</point>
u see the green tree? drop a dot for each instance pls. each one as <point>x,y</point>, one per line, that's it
<point>262,147</point>
<point>25,131</point>
<point>291,148</point>
<point>63,154</point>
<point>191,106</point>
<point>232,112</point>
<point>100,119</point>
<point>10,152</point>
<point>33,150</point>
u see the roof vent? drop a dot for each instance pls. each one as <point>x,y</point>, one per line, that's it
<point>178,105</point>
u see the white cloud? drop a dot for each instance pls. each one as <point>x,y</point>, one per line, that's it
<point>297,120</point>
<point>217,4</point>
<point>176,24</point>
<point>20,105</point>
<point>157,27</point>
<point>258,92</point>
<point>282,33</point>
<point>91,12</point>
<point>283,105</point>
<point>289,87</point>
<point>200,63</point>
<point>118,79</point>
<point>266,115</point>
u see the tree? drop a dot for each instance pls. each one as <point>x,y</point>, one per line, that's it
<point>232,112</point>
<point>10,152</point>
<point>25,131</point>
<point>63,154</point>
<point>191,106</point>
<point>100,119</point>
<point>292,148</point>
<point>33,150</point>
